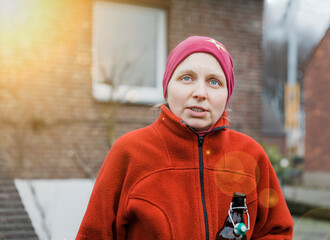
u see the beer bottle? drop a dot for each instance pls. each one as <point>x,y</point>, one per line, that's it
<point>234,227</point>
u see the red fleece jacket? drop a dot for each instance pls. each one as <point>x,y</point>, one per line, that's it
<point>163,182</point>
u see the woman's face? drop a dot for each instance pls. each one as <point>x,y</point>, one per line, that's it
<point>197,91</point>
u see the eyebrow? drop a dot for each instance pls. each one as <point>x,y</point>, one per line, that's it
<point>220,77</point>
<point>186,71</point>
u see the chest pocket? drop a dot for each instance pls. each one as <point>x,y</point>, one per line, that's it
<point>166,205</point>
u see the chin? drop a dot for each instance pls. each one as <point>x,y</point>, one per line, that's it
<point>197,124</point>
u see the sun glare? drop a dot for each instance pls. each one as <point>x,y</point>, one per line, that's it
<point>15,13</point>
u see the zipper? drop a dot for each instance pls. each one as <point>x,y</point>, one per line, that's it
<point>201,179</point>
<point>201,172</point>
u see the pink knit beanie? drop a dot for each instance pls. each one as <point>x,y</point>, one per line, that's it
<point>200,44</point>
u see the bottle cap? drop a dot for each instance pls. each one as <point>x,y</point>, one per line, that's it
<point>240,228</point>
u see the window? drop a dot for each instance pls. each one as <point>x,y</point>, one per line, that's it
<point>129,52</point>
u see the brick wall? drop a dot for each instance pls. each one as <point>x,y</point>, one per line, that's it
<point>45,88</point>
<point>317,99</point>
<point>50,126</point>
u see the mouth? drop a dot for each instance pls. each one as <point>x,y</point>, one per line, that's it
<point>197,109</point>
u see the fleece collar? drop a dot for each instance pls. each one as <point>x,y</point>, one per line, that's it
<point>177,125</point>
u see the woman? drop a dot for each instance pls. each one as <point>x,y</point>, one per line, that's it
<point>175,178</point>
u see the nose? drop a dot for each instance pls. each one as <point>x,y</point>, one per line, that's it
<point>200,91</point>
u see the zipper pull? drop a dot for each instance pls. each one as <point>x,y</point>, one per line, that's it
<point>200,141</point>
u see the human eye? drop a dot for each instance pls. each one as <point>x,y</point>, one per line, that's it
<point>214,83</point>
<point>186,79</point>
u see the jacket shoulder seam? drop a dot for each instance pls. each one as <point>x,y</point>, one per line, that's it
<point>163,143</point>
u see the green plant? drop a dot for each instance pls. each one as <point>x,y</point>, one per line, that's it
<point>279,163</point>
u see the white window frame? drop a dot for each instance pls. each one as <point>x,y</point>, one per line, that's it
<point>125,93</point>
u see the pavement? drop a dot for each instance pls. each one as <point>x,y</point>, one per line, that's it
<point>311,212</point>
<point>310,229</point>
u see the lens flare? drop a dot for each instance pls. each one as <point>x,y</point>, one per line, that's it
<point>237,172</point>
<point>15,13</point>
<point>268,198</point>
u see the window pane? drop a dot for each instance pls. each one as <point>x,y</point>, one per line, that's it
<point>126,44</point>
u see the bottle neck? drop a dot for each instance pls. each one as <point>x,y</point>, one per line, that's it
<point>238,200</point>
<point>237,207</point>
<point>237,216</point>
